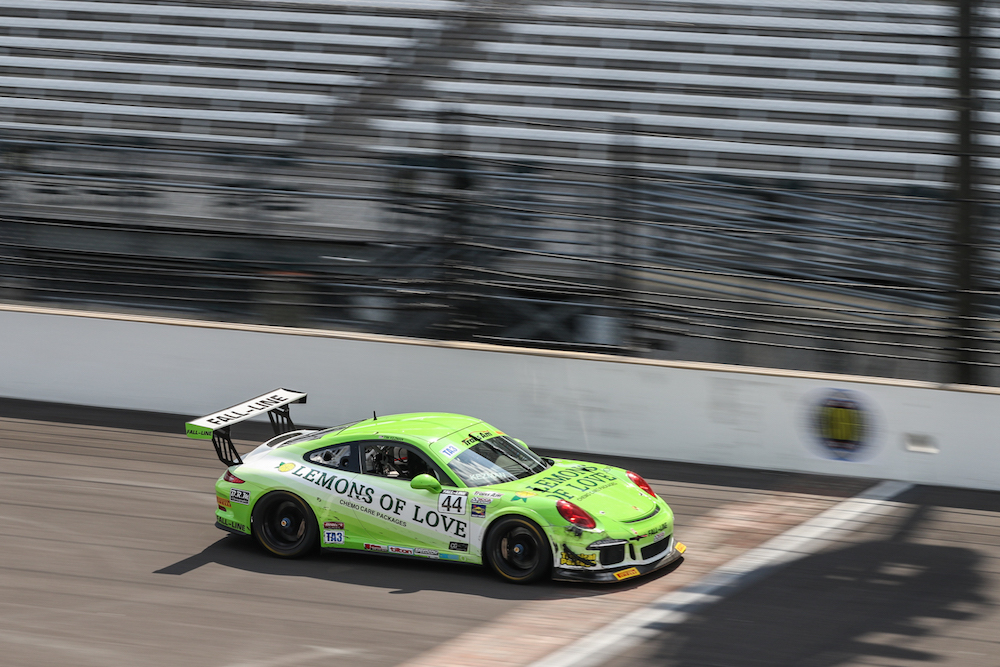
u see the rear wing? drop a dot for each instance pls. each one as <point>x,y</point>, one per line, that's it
<point>215,427</point>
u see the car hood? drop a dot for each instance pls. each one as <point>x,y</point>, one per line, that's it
<point>604,492</point>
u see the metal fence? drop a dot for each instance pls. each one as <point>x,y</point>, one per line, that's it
<point>623,260</point>
<point>809,186</point>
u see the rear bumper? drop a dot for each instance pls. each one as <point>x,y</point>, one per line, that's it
<point>616,574</point>
<point>231,526</point>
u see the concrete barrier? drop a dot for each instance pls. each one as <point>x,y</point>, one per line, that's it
<point>702,413</point>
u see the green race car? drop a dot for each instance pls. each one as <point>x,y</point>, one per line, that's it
<point>435,485</point>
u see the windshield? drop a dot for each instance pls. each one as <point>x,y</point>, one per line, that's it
<point>496,461</point>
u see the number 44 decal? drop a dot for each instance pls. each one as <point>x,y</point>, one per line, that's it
<point>452,502</point>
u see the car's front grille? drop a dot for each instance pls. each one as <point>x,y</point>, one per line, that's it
<point>655,548</point>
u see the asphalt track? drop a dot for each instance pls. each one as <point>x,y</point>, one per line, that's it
<point>110,557</point>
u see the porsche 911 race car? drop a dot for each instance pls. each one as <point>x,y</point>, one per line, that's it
<point>439,486</point>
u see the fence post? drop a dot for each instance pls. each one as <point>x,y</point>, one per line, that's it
<point>623,155</point>
<point>964,233</point>
<point>455,225</point>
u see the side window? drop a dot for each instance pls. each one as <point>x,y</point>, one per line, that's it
<point>395,461</point>
<point>334,456</point>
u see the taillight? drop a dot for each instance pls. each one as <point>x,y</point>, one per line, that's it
<point>230,477</point>
<point>575,514</point>
<point>640,482</point>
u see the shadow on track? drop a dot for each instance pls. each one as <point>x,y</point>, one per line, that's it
<point>862,604</point>
<point>400,575</point>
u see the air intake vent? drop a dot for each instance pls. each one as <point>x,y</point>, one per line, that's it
<point>656,548</point>
<point>656,510</point>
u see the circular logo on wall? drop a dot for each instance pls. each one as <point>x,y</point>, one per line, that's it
<point>843,425</point>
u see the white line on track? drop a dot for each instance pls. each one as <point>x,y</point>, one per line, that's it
<point>314,653</point>
<point>676,607</point>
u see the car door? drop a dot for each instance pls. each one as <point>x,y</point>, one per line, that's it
<point>328,478</point>
<point>408,521</point>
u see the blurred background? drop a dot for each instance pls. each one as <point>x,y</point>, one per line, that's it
<point>803,185</point>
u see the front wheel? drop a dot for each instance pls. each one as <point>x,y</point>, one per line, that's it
<point>517,550</point>
<point>284,525</point>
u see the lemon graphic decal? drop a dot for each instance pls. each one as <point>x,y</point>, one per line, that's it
<point>285,467</point>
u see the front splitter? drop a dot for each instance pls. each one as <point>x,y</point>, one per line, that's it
<point>611,576</point>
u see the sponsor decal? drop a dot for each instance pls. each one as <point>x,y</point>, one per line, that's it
<point>596,489</point>
<point>449,451</point>
<point>659,536</point>
<point>286,467</point>
<point>458,546</point>
<point>333,536</point>
<point>490,476</point>
<point>392,508</point>
<point>580,560</point>
<point>229,523</point>
<point>333,525</point>
<point>570,483</point>
<point>842,425</point>
<point>223,502</point>
<point>448,524</point>
<point>375,513</point>
<point>430,553</point>
<point>480,498</point>
<point>478,511</point>
<point>450,557</point>
<point>627,574</point>
<point>239,496</point>
<point>375,547</point>
<point>523,495</point>
<point>452,502</point>
<point>405,551</point>
<point>476,437</point>
<point>680,548</point>
<point>198,432</point>
<point>262,404</point>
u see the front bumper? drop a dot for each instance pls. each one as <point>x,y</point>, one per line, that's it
<point>615,574</point>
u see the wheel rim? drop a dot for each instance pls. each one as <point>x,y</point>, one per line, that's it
<point>285,524</point>
<point>518,550</point>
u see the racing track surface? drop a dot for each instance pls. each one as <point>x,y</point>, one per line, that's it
<point>110,557</point>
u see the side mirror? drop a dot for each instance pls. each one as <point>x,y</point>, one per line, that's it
<point>425,482</point>
<point>520,442</point>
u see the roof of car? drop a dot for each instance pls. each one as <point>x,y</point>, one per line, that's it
<point>427,425</point>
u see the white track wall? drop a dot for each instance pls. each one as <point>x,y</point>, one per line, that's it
<point>701,413</point>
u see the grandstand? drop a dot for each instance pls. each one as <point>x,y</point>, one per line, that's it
<point>773,172</point>
<point>833,92</point>
<point>192,72</point>
<point>842,92</point>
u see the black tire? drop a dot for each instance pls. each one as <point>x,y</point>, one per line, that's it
<point>517,550</point>
<point>285,525</point>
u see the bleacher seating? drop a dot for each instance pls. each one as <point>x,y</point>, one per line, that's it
<point>831,91</point>
<point>193,73</point>
<point>838,91</point>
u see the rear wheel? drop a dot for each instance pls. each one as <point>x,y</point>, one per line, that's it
<point>285,525</point>
<point>517,550</point>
